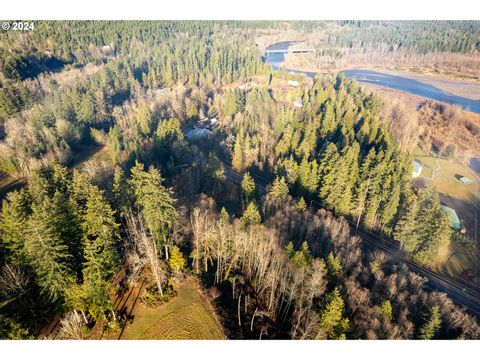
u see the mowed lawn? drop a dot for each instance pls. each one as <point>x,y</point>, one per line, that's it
<point>445,180</point>
<point>188,316</point>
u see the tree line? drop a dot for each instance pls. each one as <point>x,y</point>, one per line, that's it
<point>283,269</point>
<point>45,125</point>
<point>301,274</point>
<point>63,238</point>
<point>335,150</point>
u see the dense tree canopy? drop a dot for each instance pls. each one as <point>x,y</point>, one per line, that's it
<point>285,184</point>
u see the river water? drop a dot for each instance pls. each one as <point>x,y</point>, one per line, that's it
<point>396,82</point>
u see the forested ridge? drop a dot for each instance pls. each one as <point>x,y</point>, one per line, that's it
<point>162,206</point>
<point>414,36</point>
<point>137,58</point>
<point>436,48</point>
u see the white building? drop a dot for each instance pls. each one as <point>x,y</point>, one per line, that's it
<point>417,169</point>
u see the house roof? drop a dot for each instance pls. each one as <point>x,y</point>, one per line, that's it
<point>452,217</point>
<point>197,133</point>
<point>417,167</point>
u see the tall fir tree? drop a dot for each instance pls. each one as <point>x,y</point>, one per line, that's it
<point>155,202</point>
<point>432,324</point>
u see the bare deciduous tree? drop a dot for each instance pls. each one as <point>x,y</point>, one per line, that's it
<point>71,327</point>
<point>144,252</point>
<point>14,283</point>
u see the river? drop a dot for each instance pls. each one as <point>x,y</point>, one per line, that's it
<point>379,78</point>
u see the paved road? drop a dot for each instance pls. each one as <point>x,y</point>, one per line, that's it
<point>462,292</point>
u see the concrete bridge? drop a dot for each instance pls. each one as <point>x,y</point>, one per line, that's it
<point>294,51</point>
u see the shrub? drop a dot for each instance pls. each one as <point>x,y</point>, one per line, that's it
<point>153,297</point>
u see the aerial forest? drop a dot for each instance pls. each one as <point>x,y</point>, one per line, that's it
<point>263,211</point>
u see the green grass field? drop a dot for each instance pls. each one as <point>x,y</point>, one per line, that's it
<point>187,316</point>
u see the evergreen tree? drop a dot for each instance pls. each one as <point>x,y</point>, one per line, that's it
<point>80,188</point>
<point>290,250</point>
<point>100,232</point>
<point>66,223</point>
<point>144,119</point>
<point>47,253</point>
<point>334,266</point>
<point>327,171</point>
<point>114,144</point>
<point>169,131</point>
<point>386,310</point>
<point>248,186</point>
<point>424,227</point>
<point>155,203</point>
<point>279,188</point>
<point>301,206</point>
<point>432,324</point>
<point>99,237</point>
<point>120,190</point>
<point>333,324</point>
<point>13,225</point>
<point>86,110</point>
<point>251,215</point>
<point>302,257</point>
<point>238,157</point>
<point>13,330</point>
<point>328,123</point>
<point>234,102</point>
<point>224,217</point>
<point>308,177</point>
<point>363,189</point>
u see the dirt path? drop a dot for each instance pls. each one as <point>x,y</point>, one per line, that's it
<point>434,171</point>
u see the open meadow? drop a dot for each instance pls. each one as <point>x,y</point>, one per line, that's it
<point>187,316</point>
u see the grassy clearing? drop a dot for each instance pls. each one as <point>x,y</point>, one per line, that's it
<point>427,160</point>
<point>455,259</point>
<point>441,173</point>
<point>458,260</point>
<point>187,316</point>
<point>89,152</point>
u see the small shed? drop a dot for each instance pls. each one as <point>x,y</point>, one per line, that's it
<point>464,180</point>
<point>417,168</point>
<point>452,217</point>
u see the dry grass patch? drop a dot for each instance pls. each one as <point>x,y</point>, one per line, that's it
<point>187,316</point>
